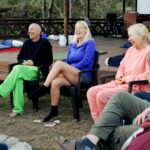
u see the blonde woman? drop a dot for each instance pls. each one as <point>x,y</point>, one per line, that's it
<point>134,66</point>
<point>80,57</point>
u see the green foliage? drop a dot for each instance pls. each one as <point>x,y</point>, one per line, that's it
<point>33,8</point>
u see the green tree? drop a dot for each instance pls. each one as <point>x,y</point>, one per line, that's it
<point>54,8</point>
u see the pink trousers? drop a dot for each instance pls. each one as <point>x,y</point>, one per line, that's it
<point>99,95</point>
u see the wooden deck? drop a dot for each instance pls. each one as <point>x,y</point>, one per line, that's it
<point>111,45</point>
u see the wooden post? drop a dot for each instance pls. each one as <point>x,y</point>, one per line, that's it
<point>66,18</point>
<point>88,8</point>
<point>123,6</point>
<point>135,5</point>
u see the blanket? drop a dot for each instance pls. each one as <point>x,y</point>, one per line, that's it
<point>11,49</point>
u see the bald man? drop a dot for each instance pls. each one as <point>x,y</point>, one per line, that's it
<point>34,52</point>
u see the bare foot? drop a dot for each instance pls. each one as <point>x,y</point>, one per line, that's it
<point>13,114</point>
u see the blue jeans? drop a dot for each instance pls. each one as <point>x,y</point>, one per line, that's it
<point>3,146</point>
<point>143,95</point>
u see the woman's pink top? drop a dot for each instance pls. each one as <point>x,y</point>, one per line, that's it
<point>135,69</point>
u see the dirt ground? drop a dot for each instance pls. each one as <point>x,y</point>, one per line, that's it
<point>40,137</point>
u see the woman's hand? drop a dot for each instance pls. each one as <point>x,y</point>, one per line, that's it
<point>141,117</point>
<point>119,80</point>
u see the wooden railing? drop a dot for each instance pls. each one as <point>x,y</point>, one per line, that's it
<point>16,28</point>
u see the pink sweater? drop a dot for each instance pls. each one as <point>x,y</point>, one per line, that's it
<point>137,68</point>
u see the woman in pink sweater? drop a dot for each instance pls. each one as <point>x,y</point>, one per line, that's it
<point>134,66</point>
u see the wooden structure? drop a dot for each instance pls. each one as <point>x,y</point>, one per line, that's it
<point>66,12</point>
<point>129,19</point>
<point>5,60</point>
<point>17,28</point>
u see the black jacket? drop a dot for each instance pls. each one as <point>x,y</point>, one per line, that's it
<point>39,52</point>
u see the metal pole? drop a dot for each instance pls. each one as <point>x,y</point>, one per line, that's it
<point>66,18</point>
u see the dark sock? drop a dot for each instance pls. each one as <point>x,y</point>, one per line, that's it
<point>53,113</point>
<point>38,92</point>
<point>85,142</point>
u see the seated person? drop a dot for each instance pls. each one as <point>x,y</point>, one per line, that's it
<point>134,66</point>
<point>108,133</point>
<point>80,57</point>
<point>34,52</point>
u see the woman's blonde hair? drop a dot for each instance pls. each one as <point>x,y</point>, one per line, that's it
<point>88,33</point>
<point>139,31</point>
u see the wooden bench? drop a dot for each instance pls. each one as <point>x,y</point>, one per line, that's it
<point>6,59</point>
<point>3,70</point>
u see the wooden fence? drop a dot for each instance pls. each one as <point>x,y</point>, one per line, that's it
<point>16,28</point>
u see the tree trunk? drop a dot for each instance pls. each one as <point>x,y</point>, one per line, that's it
<point>50,8</point>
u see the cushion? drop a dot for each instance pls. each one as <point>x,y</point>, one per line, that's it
<point>7,42</point>
<point>16,43</point>
<point>4,46</point>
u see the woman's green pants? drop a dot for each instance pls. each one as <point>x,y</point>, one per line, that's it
<point>14,83</point>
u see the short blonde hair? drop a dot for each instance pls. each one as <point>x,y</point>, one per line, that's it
<point>88,33</point>
<point>139,31</point>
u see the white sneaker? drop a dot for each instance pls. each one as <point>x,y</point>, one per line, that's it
<point>106,61</point>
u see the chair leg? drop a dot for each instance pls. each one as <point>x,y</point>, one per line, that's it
<point>35,104</point>
<point>80,102</point>
<point>75,105</point>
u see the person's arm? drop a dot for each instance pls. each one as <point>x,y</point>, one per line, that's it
<point>67,57</point>
<point>121,68</point>
<point>134,76</point>
<point>127,74</point>
<point>141,117</point>
<point>88,57</point>
<point>21,54</point>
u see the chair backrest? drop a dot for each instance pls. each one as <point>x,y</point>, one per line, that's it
<point>95,67</point>
<point>87,20</point>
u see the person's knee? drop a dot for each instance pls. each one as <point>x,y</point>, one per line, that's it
<point>58,63</point>
<point>90,92</point>
<point>118,96</point>
<point>102,97</point>
<point>17,67</point>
